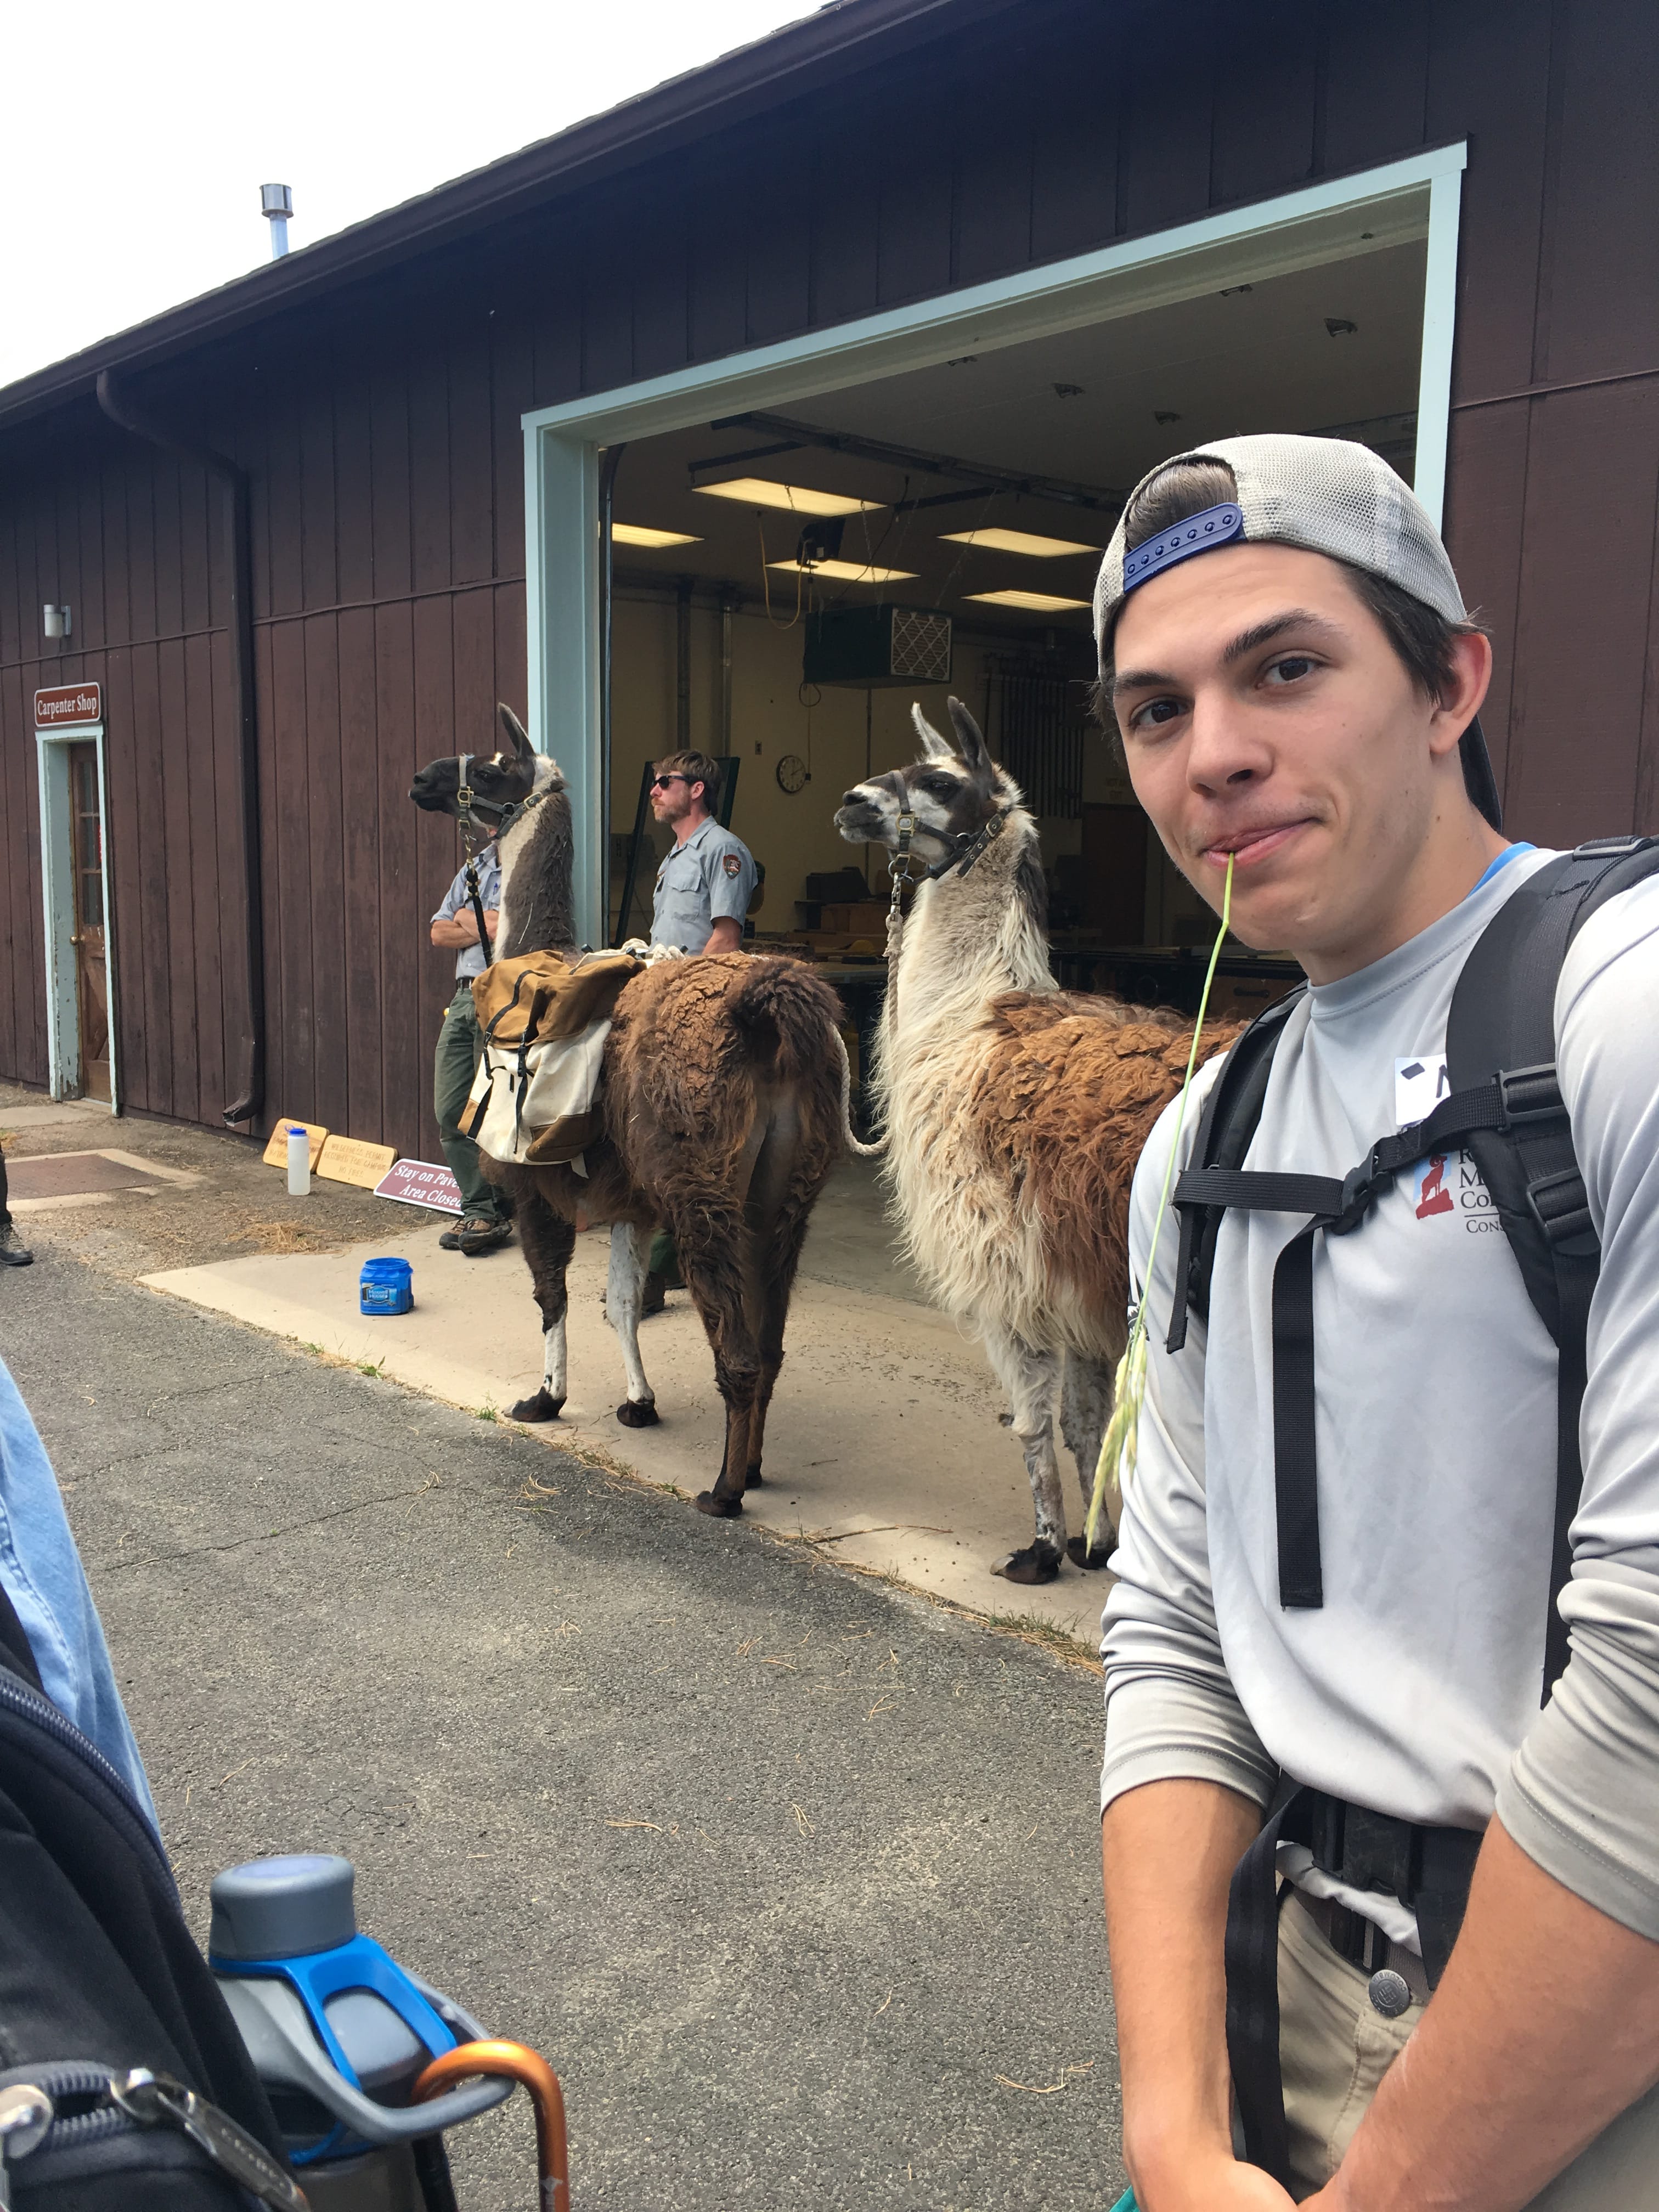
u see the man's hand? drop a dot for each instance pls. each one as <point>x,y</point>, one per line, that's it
<point>462,928</point>
<point>1215,2183</point>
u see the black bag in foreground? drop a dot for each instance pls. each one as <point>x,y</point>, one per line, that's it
<point>125,2086</point>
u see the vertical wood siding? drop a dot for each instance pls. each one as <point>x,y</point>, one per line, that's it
<point>382,436</point>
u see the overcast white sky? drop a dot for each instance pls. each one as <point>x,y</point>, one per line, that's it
<point>137,137</point>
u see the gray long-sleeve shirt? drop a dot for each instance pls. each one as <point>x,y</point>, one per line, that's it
<point>1415,1688</point>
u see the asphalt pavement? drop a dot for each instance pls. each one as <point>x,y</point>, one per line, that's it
<point>793,1878</point>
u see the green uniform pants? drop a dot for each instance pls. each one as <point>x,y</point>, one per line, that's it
<point>460,1047</point>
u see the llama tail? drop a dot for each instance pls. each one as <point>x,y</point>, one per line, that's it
<point>789,1018</point>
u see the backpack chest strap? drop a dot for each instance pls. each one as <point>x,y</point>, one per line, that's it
<point>1527,1099</point>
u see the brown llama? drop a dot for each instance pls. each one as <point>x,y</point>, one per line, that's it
<point>1015,1113</point>
<point>724,1099</point>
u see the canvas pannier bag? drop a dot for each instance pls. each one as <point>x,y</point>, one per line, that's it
<point>545,1017</point>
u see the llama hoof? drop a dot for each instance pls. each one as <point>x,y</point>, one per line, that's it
<point>753,1480</point>
<point>642,1416</point>
<point>542,1407</point>
<point>721,1509</point>
<point>1080,1558</point>
<point>1037,1562</point>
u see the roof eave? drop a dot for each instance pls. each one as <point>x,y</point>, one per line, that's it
<point>843,36</point>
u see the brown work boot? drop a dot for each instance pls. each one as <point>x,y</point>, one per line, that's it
<point>476,1236</point>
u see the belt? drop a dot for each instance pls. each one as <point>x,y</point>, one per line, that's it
<point>1427,1869</point>
<point>1362,1943</point>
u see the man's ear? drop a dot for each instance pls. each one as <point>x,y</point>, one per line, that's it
<point>1465,695</point>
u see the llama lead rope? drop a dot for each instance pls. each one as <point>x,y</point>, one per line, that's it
<point>1119,1447</point>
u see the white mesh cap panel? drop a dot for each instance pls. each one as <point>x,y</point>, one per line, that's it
<point>1326,494</point>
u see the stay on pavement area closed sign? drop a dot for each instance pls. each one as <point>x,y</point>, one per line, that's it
<point>417,1182</point>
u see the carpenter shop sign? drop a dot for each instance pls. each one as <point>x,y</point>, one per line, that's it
<point>68,703</point>
<point>417,1182</point>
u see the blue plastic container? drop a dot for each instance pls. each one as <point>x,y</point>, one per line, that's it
<point>387,1286</point>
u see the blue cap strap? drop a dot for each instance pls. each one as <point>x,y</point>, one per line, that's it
<point>1199,533</point>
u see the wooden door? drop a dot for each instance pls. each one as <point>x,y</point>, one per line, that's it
<point>91,967</point>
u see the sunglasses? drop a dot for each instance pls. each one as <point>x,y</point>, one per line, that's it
<point>662,782</point>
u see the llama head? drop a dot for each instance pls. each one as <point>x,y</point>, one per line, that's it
<point>498,780</point>
<point>953,790</point>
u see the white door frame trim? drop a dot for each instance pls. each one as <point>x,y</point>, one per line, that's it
<point>58,898</point>
<point>1417,198</point>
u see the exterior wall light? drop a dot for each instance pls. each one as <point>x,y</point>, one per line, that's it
<point>55,621</point>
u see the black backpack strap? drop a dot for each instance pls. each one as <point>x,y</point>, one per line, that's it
<point>1502,1024</point>
<point>1230,1114</point>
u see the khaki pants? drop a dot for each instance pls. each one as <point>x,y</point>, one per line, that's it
<point>1334,2048</point>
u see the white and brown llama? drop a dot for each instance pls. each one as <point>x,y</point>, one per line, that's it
<point>725,1109</point>
<point>1014,1111</point>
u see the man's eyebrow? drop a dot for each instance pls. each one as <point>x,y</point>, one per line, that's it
<point>1141,680</point>
<point>1263,633</point>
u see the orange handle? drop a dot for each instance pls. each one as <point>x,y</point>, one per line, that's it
<point>518,2062</point>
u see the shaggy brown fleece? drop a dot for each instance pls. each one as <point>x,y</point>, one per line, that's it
<point>1065,1101</point>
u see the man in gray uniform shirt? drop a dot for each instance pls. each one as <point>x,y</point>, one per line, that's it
<point>484,1224</point>
<point>1296,690</point>
<point>704,886</point>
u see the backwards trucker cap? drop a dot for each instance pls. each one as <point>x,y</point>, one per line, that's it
<point>1326,495</point>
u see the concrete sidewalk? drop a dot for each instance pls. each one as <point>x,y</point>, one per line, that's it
<point>883,1439</point>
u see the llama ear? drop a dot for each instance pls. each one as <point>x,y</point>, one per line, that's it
<point>970,745</point>
<point>933,746</point>
<point>516,732</point>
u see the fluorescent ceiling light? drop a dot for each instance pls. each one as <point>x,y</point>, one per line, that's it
<point>635,533</point>
<point>1039,603</point>
<point>795,499</point>
<point>1016,541</point>
<point>848,572</point>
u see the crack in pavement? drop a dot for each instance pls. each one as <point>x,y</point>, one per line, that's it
<point>266,1536</point>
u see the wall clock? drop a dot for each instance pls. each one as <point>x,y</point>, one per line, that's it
<point>792,773</point>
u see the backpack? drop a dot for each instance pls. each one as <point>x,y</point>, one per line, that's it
<point>125,2086</point>
<point>545,1017</point>
<point>1506,1106</point>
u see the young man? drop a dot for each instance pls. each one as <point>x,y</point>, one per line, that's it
<point>483,1225</point>
<point>704,886</point>
<point>1295,686</point>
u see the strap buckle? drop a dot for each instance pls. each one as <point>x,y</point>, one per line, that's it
<point>1359,1188</point>
<point>1597,848</point>
<point>1560,1205</point>
<point>1528,1094</point>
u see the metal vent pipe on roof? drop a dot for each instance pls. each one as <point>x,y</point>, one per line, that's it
<point>277,204</point>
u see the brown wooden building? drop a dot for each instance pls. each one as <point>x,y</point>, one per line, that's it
<point>310,527</point>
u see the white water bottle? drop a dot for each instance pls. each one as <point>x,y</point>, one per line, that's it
<point>299,1162</point>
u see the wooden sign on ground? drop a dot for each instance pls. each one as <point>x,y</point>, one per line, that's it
<point>276,1150</point>
<point>345,1160</point>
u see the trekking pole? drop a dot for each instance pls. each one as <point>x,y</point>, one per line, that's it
<point>517,2062</point>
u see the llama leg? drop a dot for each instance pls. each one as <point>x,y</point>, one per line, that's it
<point>1085,1407</point>
<point>715,1262</point>
<point>624,1294</point>
<point>788,1176</point>
<point>1031,1378</point>
<point>547,1240</point>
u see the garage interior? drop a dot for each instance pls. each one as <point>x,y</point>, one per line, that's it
<point>769,571</point>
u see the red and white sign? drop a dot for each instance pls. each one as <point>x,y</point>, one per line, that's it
<point>68,703</point>
<point>417,1182</point>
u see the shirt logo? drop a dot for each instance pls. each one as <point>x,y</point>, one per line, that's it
<point>732,865</point>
